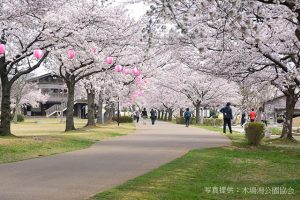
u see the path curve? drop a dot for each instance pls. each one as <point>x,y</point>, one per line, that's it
<point>80,174</point>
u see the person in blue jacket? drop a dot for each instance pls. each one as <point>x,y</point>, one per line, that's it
<point>227,117</point>
<point>187,117</point>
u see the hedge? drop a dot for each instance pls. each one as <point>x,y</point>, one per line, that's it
<point>212,122</point>
<point>206,121</point>
<point>181,120</point>
<point>123,119</point>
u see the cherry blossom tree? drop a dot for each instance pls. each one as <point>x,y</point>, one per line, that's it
<point>256,39</point>
<point>23,94</point>
<point>24,27</point>
<point>101,32</point>
<point>200,89</point>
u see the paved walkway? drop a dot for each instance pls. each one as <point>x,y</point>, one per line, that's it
<point>80,174</point>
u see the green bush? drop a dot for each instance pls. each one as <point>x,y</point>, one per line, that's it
<point>275,130</point>
<point>255,132</point>
<point>20,118</point>
<point>123,119</point>
<point>212,122</point>
<point>213,114</point>
<point>181,120</point>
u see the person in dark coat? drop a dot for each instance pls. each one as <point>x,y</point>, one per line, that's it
<point>187,117</point>
<point>243,120</point>
<point>144,116</point>
<point>137,116</point>
<point>227,117</point>
<point>153,116</point>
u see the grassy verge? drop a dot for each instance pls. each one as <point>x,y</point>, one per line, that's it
<point>275,130</point>
<point>213,128</point>
<point>270,171</point>
<point>44,137</point>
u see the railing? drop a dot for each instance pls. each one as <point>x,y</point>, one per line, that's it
<point>56,109</point>
<point>59,108</point>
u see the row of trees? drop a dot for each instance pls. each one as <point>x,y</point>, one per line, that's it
<point>198,53</point>
<point>253,42</point>
<point>92,30</point>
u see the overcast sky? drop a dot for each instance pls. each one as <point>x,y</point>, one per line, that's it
<point>136,10</point>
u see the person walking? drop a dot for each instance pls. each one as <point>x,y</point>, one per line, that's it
<point>227,117</point>
<point>243,120</point>
<point>261,116</point>
<point>153,116</point>
<point>264,118</point>
<point>187,117</point>
<point>144,116</point>
<point>252,115</point>
<point>137,116</point>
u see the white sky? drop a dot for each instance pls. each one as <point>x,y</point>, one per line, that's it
<point>136,10</point>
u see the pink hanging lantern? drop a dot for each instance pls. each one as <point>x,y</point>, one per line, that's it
<point>71,54</point>
<point>135,71</point>
<point>109,60</point>
<point>94,50</point>
<point>118,68</point>
<point>2,49</point>
<point>38,53</point>
<point>138,72</point>
<point>126,71</point>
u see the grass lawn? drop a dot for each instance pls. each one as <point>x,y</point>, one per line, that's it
<point>275,130</point>
<point>42,137</point>
<point>213,128</point>
<point>238,172</point>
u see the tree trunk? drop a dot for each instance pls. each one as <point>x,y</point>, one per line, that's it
<point>181,112</point>
<point>166,115</point>
<point>197,113</point>
<point>16,111</point>
<point>91,107</point>
<point>15,114</point>
<point>170,117</point>
<point>70,106</point>
<point>291,101</point>
<point>201,115</point>
<point>113,111</point>
<point>100,108</point>
<point>106,114</point>
<point>109,113</point>
<point>159,113</point>
<point>162,115</point>
<point>5,107</point>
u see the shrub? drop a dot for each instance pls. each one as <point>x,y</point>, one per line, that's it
<point>123,119</point>
<point>255,132</point>
<point>212,122</point>
<point>214,114</point>
<point>20,118</point>
<point>181,120</point>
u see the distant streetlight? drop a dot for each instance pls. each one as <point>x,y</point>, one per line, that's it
<point>118,111</point>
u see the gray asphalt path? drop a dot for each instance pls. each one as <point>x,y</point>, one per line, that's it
<point>80,174</point>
